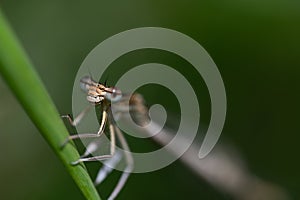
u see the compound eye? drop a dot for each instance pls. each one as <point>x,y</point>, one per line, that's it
<point>114,95</point>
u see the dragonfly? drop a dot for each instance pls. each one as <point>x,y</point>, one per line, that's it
<point>103,96</point>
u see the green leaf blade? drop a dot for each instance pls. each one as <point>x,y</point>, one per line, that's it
<point>26,85</point>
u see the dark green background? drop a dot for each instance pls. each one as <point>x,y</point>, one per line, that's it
<point>255,45</point>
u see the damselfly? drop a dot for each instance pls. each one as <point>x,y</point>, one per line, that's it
<point>100,95</point>
<point>217,168</point>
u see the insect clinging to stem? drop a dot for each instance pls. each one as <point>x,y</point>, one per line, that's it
<point>98,94</point>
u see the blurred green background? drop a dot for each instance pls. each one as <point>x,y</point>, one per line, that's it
<point>255,45</point>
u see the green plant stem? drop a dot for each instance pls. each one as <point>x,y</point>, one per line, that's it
<point>25,83</point>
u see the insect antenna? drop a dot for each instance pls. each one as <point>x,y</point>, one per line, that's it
<point>106,80</point>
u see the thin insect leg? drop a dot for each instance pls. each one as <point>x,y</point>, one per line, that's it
<point>79,117</point>
<point>102,157</point>
<point>89,135</point>
<point>108,167</point>
<point>128,168</point>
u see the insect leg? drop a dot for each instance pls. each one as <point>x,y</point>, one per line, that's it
<point>102,157</point>
<point>89,135</point>
<point>129,167</point>
<point>79,117</point>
